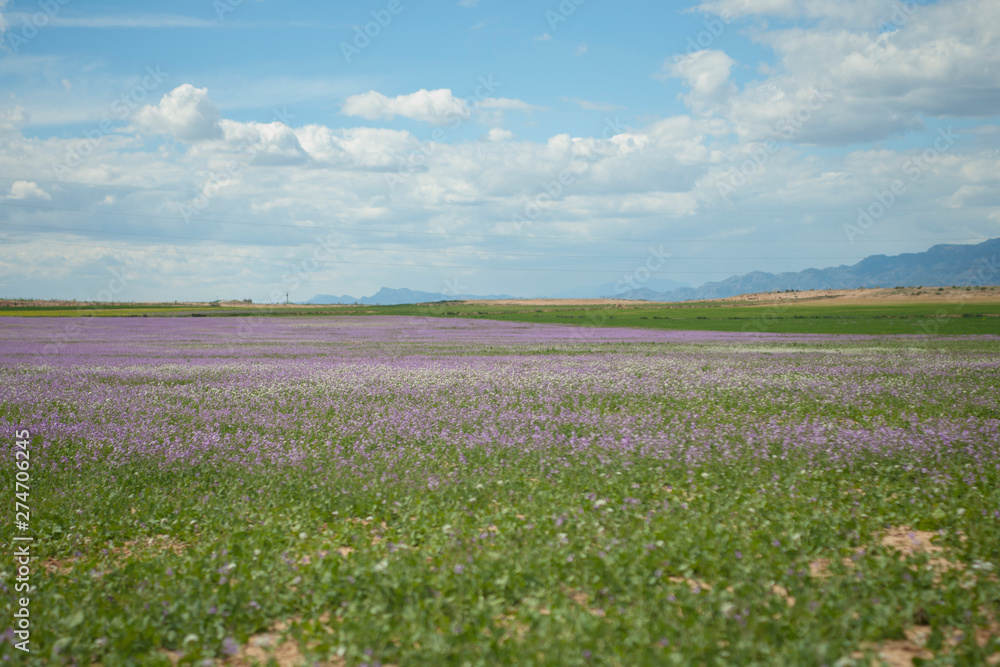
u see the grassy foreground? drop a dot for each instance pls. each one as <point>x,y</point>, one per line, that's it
<point>355,494</point>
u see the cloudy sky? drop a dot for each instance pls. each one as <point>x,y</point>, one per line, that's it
<point>202,149</point>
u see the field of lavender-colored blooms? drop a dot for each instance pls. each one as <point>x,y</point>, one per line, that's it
<point>418,491</point>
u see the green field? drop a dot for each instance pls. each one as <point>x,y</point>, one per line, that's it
<point>953,315</point>
<point>360,493</point>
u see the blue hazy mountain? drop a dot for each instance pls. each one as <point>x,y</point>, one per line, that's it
<point>388,296</point>
<point>941,266</point>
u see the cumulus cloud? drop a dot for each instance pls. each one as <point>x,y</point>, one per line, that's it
<point>498,134</point>
<point>11,118</point>
<point>437,107</point>
<point>363,147</point>
<point>707,75</point>
<point>185,113</point>
<point>269,143</point>
<point>835,77</point>
<point>883,66</point>
<point>27,190</point>
<point>846,13</point>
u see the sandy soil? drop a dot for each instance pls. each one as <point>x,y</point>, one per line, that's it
<point>875,296</point>
<point>872,296</point>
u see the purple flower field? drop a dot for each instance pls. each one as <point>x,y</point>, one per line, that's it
<point>373,390</point>
<point>420,490</point>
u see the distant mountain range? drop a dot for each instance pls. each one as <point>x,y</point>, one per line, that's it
<point>394,297</point>
<point>941,266</point>
<point>614,289</point>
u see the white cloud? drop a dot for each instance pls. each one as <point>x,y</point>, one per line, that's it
<point>271,143</point>
<point>707,75</point>
<point>581,50</point>
<point>844,13</point>
<point>506,104</point>
<point>498,134</point>
<point>655,177</point>
<point>491,110</point>
<point>591,106</point>
<point>11,118</point>
<point>437,107</point>
<point>362,147</point>
<point>3,21</point>
<point>185,113</point>
<point>884,65</point>
<point>544,37</point>
<point>27,190</point>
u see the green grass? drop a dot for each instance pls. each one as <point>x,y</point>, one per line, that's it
<point>422,586</point>
<point>953,317</point>
<point>519,598</point>
<point>792,318</point>
<point>557,557</point>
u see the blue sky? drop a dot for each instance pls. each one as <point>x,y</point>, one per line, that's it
<point>242,149</point>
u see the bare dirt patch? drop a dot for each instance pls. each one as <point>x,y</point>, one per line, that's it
<point>902,652</point>
<point>870,296</point>
<point>276,645</point>
<point>140,549</point>
<point>695,585</point>
<point>908,541</point>
<point>873,296</point>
